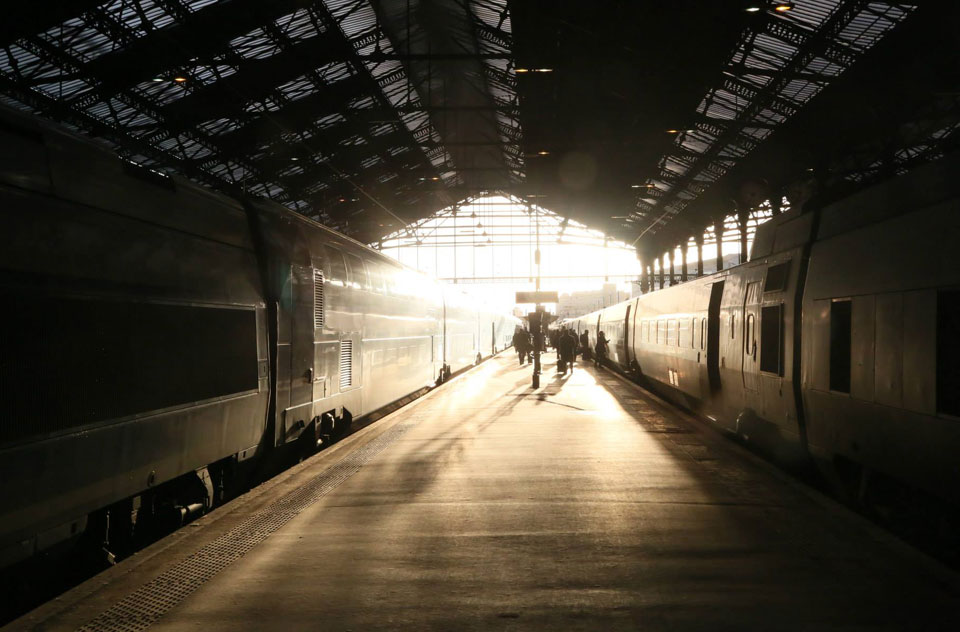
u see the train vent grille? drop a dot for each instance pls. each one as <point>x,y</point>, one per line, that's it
<point>346,363</point>
<point>318,299</point>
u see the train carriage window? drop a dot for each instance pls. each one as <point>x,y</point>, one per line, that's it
<point>644,331</point>
<point>375,273</point>
<point>358,273</point>
<point>771,339</point>
<point>661,332</point>
<point>777,277</point>
<point>337,274</point>
<point>671,332</point>
<point>145,356</point>
<point>703,333</point>
<point>677,325</point>
<point>733,325</point>
<point>948,352</point>
<point>840,346</point>
<point>693,333</point>
<point>749,338</point>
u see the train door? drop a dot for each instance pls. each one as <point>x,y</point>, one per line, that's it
<point>713,335</point>
<point>626,339</point>
<point>301,338</point>
<point>298,411</point>
<point>751,319</point>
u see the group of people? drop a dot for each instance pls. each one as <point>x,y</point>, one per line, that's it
<point>567,344</point>
<point>523,345</point>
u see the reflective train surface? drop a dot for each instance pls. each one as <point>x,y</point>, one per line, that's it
<point>159,338</point>
<point>839,340</point>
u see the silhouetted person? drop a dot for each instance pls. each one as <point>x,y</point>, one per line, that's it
<point>574,347</point>
<point>520,338</point>
<point>554,338</point>
<point>567,351</point>
<point>585,344</point>
<point>601,350</point>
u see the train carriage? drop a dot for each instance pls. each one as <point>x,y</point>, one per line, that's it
<point>159,338</point>
<point>856,369</point>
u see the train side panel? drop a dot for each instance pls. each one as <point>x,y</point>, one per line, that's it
<point>668,339</point>
<point>461,338</point>
<point>135,346</point>
<point>880,340</point>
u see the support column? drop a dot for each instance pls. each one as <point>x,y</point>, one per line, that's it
<point>684,249</point>
<point>643,278</point>
<point>718,233</point>
<point>673,275</point>
<point>775,202</point>
<point>649,277</point>
<point>699,238</point>
<point>742,217</point>
<point>660,261</point>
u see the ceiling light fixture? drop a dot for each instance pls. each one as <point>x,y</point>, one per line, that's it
<point>543,70</point>
<point>543,153</point>
<point>752,9</point>
<point>158,79</point>
<point>783,7</point>
<point>521,70</point>
<point>180,79</point>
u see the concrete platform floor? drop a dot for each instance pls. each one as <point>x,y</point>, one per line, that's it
<point>583,505</point>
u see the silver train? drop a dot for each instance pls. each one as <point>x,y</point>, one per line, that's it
<point>160,337</point>
<point>839,340</point>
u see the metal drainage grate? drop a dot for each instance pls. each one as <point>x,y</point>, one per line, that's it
<point>143,607</point>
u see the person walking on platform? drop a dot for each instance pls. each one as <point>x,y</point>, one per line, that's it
<point>554,338</point>
<point>585,344</point>
<point>567,351</point>
<point>520,344</point>
<point>600,354</point>
<point>575,346</point>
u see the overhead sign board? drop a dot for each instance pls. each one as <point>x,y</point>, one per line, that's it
<point>537,297</point>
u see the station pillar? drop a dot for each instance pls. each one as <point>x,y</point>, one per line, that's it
<point>742,217</point>
<point>661,272</point>
<point>684,249</point>
<point>718,233</point>
<point>699,238</point>
<point>671,255</point>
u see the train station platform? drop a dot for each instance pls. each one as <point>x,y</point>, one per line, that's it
<point>586,504</point>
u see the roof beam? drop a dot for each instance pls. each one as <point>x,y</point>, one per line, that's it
<point>206,33</point>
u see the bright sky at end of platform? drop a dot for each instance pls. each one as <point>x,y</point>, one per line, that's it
<point>487,245</point>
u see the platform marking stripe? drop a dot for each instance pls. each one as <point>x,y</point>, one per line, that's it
<point>142,608</point>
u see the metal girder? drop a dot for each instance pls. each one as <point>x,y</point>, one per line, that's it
<point>206,33</point>
<point>21,19</point>
<point>811,44</point>
<point>254,80</point>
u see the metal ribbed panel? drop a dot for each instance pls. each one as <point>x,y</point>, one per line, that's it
<point>346,364</point>
<point>318,299</point>
<point>145,606</point>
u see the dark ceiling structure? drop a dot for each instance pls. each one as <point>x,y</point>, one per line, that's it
<point>642,119</point>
